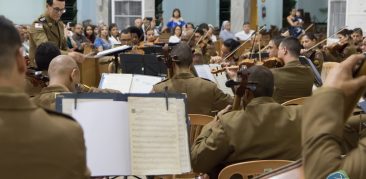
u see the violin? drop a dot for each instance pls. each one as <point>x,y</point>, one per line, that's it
<point>37,77</point>
<point>242,81</point>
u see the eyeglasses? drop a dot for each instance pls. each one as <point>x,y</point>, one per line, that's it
<point>58,10</point>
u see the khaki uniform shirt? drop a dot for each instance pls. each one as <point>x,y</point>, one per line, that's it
<point>47,97</point>
<point>322,138</point>
<point>291,81</point>
<point>203,95</point>
<point>264,130</point>
<point>36,143</point>
<point>45,29</point>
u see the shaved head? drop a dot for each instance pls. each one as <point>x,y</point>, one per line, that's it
<point>63,70</point>
<point>61,65</point>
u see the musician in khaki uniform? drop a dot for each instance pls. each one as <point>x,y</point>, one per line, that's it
<point>324,116</point>
<point>64,75</point>
<point>34,143</point>
<point>203,95</point>
<point>293,80</point>
<point>49,28</point>
<point>264,130</point>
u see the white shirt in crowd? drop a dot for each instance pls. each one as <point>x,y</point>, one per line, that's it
<point>244,36</point>
<point>114,41</point>
<point>174,39</point>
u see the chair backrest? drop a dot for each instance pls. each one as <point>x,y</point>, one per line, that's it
<point>297,101</point>
<point>327,66</point>
<point>251,169</point>
<point>291,171</point>
<point>197,122</point>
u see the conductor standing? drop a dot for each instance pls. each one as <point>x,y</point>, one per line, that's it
<point>49,28</point>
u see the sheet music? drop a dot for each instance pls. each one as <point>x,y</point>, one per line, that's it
<point>120,82</point>
<point>204,71</point>
<point>106,133</point>
<point>221,80</point>
<point>144,83</point>
<point>154,136</point>
<point>185,157</point>
<point>111,51</point>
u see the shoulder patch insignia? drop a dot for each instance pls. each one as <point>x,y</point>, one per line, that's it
<point>38,25</point>
<point>341,174</point>
<point>59,114</point>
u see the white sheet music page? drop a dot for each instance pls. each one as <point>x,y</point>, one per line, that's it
<point>68,104</point>
<point>154,136</point>
<point>106,133</point>
<point>185,157</point>
<point>220,80</point>
<point>111,51</point>
<point>204,71</point>
<point>120,82</point>
<point>144,83</point>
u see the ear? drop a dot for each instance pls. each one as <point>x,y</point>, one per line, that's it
<point>75,75</point>
<point>20,61</point>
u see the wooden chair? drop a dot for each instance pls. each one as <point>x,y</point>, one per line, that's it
<point>327,66</point>
<point>249,170</point>
<point>197,122</point>
<point>297,101</point>
<point>291,171</point>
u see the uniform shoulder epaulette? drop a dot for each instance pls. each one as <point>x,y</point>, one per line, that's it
<point>59,114</point>
<point>207,79</point>
<point>162,81</point>
<point>42,19</point>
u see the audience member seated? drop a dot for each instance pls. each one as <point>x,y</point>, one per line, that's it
<point>102,42</point>
<point>79,38</point>
<point>225,32</point>
<point>114,35</point>
<point>175,38</point>
<point>246,33</point>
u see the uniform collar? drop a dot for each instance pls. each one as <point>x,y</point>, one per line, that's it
<point>12,98</point>
<point>184,75</point>
<point>293,63</point>
<point>49,19</point>
<point>54,88</point>
<point>261,100</point>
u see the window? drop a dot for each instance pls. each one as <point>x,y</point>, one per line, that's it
<point>124,12</point>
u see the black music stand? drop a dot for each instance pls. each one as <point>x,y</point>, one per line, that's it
<point>143,64</point>
<point>115,52</point>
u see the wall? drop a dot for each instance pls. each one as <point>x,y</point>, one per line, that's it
<point>196,11</point>
<point>316,8</point>
<point>87,9</point>
<point>274,10</point>
<point>21,11</point>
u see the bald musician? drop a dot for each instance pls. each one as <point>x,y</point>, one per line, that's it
<point>323,148</point>
<point>35,143</point>
<point>264,130</point>
<point>293,80</point>
<point>203,95</point>
<point>64,75</point>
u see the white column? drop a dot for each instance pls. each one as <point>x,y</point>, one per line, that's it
<point>149,8</point>
<point>237,14</point>
<point>102,11</point>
